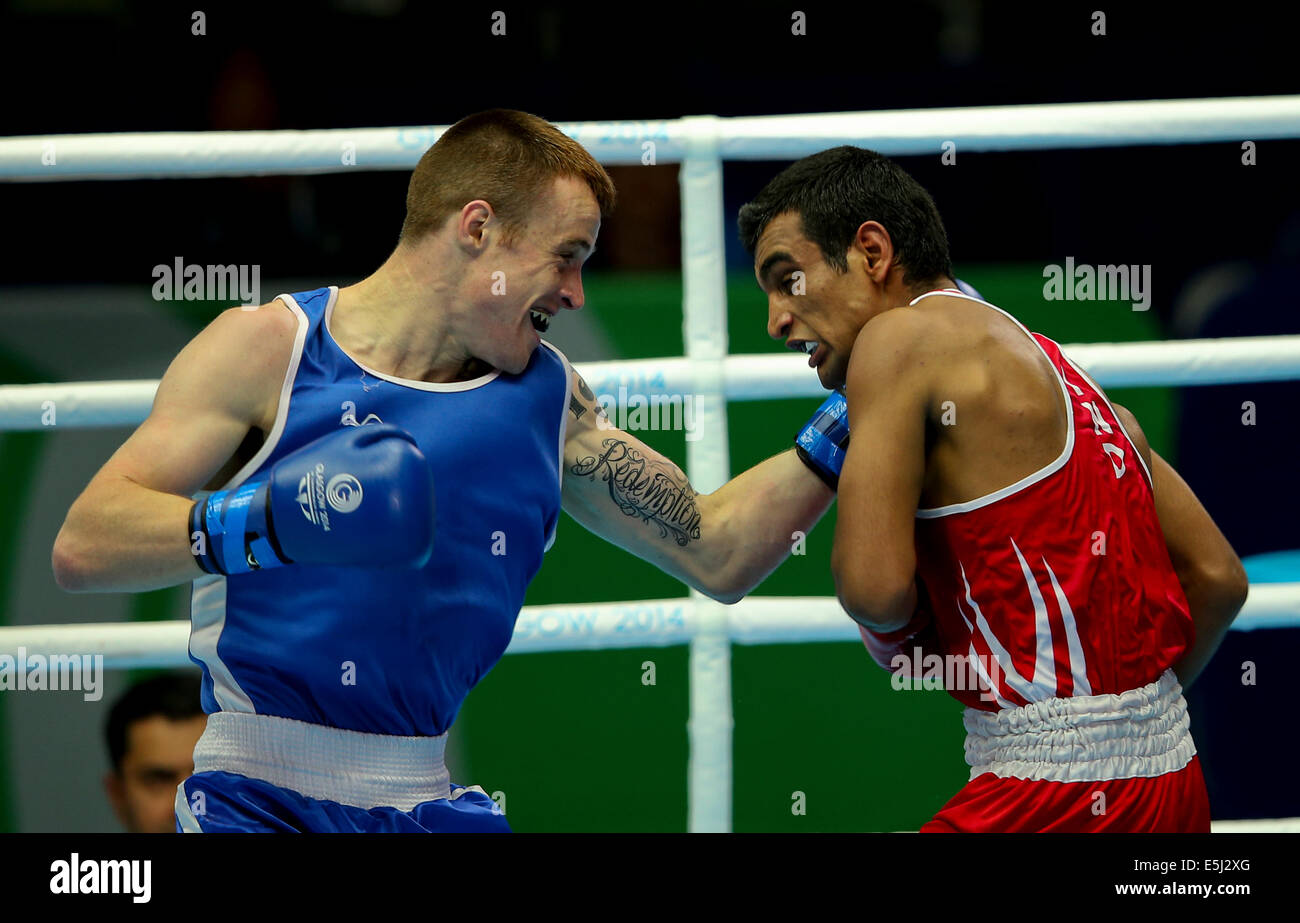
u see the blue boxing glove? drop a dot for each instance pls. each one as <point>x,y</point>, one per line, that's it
<point>362,496</point>
<point>824,439</point>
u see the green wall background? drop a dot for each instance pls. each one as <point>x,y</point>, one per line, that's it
<point>575,741</point>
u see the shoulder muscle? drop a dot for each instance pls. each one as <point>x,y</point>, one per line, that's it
<point>898,347</point>
<point>225,382</point>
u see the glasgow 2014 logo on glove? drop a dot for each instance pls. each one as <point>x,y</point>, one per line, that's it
<point>343,493</point>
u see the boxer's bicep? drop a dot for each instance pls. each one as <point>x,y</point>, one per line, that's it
<point>1198,550</point>
<point>212,393</point>
<point>874,559</point>
<point>624,490</point>
<point>128,530</point>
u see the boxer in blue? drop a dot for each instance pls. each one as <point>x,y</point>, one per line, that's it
<point>361,482</point>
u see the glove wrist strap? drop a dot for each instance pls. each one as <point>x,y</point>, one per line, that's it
<point>829,478</point>
<point>824,439</point>
<point>231,531</point>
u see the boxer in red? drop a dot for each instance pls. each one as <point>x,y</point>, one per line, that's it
<point>996,510</point>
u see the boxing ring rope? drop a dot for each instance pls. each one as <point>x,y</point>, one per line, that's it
<point>700,144</point>
<point>158,155</point>
<point>574,627</point>
<point>1227,360</point>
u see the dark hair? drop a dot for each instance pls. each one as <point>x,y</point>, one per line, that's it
<point>505,157</point>
<point>835,191</point>
<point>175,696</point>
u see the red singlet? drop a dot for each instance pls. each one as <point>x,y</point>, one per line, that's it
<point>1058,596</point>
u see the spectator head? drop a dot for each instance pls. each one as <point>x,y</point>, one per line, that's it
<point>151,733</point>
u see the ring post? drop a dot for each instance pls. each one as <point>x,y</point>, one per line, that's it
<point>704,319</point>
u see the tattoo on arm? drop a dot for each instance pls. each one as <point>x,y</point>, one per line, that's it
<point>577,408</point>
<point>656,491</point>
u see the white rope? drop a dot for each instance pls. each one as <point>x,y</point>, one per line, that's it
<point>1262,825</point>
<point>578,627</point>
<point>156,155</point>
<point>1015,128</point>
<point>744,378</point>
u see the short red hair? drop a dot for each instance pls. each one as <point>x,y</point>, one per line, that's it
<point>505,157</point>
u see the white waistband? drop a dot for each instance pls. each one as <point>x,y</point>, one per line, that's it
<point>352,768</point>
<point>1139,733</point>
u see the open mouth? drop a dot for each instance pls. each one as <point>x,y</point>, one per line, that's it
<point>814,350</point>
<point>541,320</point>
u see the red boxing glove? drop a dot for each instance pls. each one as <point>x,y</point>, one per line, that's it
<point>918,632</point>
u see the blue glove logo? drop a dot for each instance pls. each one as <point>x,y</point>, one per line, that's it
<point>311,497</point>
<point>343,493</point>
<point>304,498</point>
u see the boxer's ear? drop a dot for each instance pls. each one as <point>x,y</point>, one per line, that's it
<point>874,249</point>
<point>476,225</point>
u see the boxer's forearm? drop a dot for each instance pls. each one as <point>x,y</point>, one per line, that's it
<point>122,537</point>
<point>748,525</point>
<point>722,544</point>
